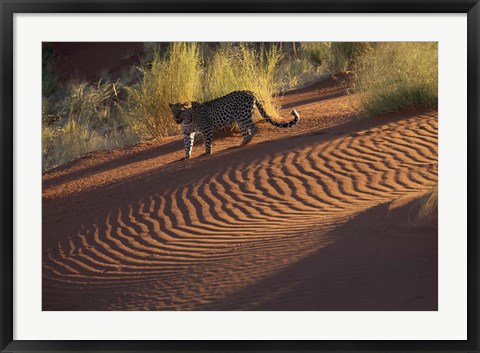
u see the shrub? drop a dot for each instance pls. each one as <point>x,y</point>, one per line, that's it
<point>243,67</point>
<point>299,65</point>
<point>316,52</point>
<point>395,76</point>
<point>335,57</point>
<point>344,55</point>
<point>428,204</point>
<point>88,104</point>
<point>63,144</point>
<point>86,119</point>
<point>171,77</point>
<point>297,71</point>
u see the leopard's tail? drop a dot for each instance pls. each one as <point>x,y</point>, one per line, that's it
<point>264,114</point>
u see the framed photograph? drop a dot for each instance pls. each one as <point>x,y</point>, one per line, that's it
<point>239,176</point>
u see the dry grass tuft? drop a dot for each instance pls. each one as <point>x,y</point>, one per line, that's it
<point>396,76</point>
<point>428,204</point>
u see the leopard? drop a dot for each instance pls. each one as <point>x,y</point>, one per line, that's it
<point>205,118</point>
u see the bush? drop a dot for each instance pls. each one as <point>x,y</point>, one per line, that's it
<point>171,77</point>
<point>86,119</point>
<point>243,67</point>
<point>344,55</point>
<point>88,104</point>
<point>317,52</point>
<point>428,204</point>
<point>299,65</point>
<point>395,76</point>
<point>63,144</point>
<point>335,57</point>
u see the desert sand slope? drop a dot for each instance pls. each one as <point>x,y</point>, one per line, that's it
<point>310,219</point>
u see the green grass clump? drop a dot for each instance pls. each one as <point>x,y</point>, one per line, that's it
<point>395,76</point>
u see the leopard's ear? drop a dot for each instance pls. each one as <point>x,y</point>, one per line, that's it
<point>170,105</point>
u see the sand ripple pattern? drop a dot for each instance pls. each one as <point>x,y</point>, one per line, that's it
<point>226,227</point>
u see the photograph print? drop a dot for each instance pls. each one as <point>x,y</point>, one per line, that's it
<point>226,176</point>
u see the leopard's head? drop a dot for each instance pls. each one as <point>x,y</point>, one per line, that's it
<point>180,111</point>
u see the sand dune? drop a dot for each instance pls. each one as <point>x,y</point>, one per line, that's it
<point>307,221</point>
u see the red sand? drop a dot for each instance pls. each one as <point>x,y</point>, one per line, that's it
<point>318,217</point>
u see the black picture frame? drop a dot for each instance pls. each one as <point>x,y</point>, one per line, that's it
<point>9,7</point>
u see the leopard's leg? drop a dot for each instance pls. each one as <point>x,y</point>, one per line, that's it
<point>245,134</point>
<point>188,142</point>
<point>248,132</point>
<point>247,126</point>
<point>207,140</point>
<point>253,129</point>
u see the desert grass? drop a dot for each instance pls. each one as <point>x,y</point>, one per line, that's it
<point>335,57</point>
<point>88,104</point>
<point>344,55</point>
<point>298,69</point>
<point>396,76</point>
<point>314,61</point>
<point>74,140</point>
<point>428,204</point>
<point>172,76</point>
<point>243,67</point>
<point>85,119</point>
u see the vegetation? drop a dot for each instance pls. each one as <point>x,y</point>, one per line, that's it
<point>335,57</point>
<point>172,76</point>
<point>428,204</point>
<point>86,119</point>
<point>61,145</point>
<point>298,69</point>
<point>394,76</point>
<point>243,67</point>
